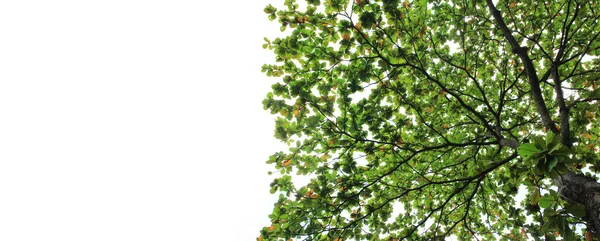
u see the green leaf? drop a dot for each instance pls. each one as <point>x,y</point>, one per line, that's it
<point>561,151</point>
<point>561,168</point>
<point>535,198</point>
<point>527,150</point>
<point>270,9</point>
<point>577,210</point>
<point>537,156</point>
<point>552,141</point>
<point>552,223</point>
<point>551,161</point>
<point>568,234</point>
<point>540,166</point>
<point>539,143</point>
<point>546,201</point>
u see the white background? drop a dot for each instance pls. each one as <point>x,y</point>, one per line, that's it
<point>134,120</point>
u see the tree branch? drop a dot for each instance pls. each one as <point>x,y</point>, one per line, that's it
<point>529,68</point>
<point>563,109</point>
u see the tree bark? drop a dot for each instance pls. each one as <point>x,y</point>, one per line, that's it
<point>581,189</point>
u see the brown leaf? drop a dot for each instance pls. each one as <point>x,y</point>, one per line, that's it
<point>588,236</point>
<point>346,36</point>
<point>399,142</point>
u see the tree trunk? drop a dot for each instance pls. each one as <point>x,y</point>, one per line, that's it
<point>578,188</point>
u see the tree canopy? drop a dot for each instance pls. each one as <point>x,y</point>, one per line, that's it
<point>433,120</point>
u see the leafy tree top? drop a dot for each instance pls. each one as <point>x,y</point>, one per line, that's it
<point>421,119</point>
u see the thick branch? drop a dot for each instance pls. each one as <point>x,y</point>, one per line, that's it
<point>510,143</point>
<point>563,109</point>
<point>578,188</point>
<point>529,68</point>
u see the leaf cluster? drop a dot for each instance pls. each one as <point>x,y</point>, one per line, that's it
<point>413,119</point>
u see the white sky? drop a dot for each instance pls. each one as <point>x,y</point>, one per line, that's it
<point>134,120</point>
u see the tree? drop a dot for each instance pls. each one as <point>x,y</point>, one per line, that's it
<point>425,120</point>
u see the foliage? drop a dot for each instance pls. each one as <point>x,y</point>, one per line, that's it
<point>420,120</point>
